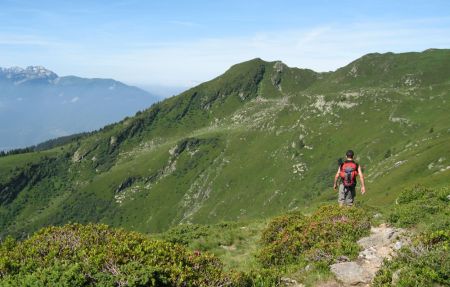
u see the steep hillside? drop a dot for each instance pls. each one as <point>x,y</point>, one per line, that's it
<point>258,140</point>
<point>36,105</point>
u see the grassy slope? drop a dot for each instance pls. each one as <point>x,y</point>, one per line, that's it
<point>259,140</point>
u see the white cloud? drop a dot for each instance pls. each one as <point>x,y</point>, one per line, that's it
<point>187,63</point>
<point>24,40</point>
<point>74,100</point>
<point>322,48</point>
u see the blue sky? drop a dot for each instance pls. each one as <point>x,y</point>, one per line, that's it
<point>183,43</point>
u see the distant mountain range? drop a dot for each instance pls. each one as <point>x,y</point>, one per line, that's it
<point>36,104</point>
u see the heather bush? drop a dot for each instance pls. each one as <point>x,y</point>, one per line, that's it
<point>95,255</point>
<point>322,238</point>
<point>422,205</point>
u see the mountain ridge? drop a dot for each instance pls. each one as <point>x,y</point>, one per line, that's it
<point>261,132</point>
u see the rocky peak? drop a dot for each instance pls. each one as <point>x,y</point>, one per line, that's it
<point>19,75</point>
<point>279,66</point>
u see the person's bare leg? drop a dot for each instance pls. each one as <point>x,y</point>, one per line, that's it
<point>341,195</point>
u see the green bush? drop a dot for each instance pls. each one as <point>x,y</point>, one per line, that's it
<point>256,278</point>
<point>425,263</point>
<point>422,205</point>
<point>186,233</point>
<point>329,233</point>
<point>95,255</point>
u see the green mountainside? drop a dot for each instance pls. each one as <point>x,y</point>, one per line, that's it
<point>259,140</point>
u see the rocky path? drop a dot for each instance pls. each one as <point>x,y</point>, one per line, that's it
<point>382,243</point>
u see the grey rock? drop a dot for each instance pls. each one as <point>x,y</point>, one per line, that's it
<point>290,282</point>
<point>350,273</point>
<point>368,254</point>
<point>377,215</point>
<point>331,283</point>
<point>398,245</point>
<point>378,237</point>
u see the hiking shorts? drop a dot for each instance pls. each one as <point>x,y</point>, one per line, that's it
<point>346,194</point>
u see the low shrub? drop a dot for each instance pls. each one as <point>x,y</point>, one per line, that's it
<point>256,278</point>
<point>95,255</point>
<point>186,233</point>
<point>426,206</point>
<point>323,237</point>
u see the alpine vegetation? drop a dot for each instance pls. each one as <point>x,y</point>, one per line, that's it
<point>231,183</point>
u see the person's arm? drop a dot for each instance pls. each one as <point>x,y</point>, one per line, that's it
<point>361,178</point>
<point>336,178</point>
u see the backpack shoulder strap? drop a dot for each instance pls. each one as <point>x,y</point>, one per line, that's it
<point>356,168</point>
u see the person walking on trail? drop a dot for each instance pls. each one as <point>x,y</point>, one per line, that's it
<point>347,172</point>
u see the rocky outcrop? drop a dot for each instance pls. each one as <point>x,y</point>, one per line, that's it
<point>125,184</point>
<point>276,76</point>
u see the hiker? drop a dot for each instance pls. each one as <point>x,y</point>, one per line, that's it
<point>347,172</point>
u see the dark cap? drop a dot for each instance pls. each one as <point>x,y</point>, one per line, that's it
<point>350,153</point>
